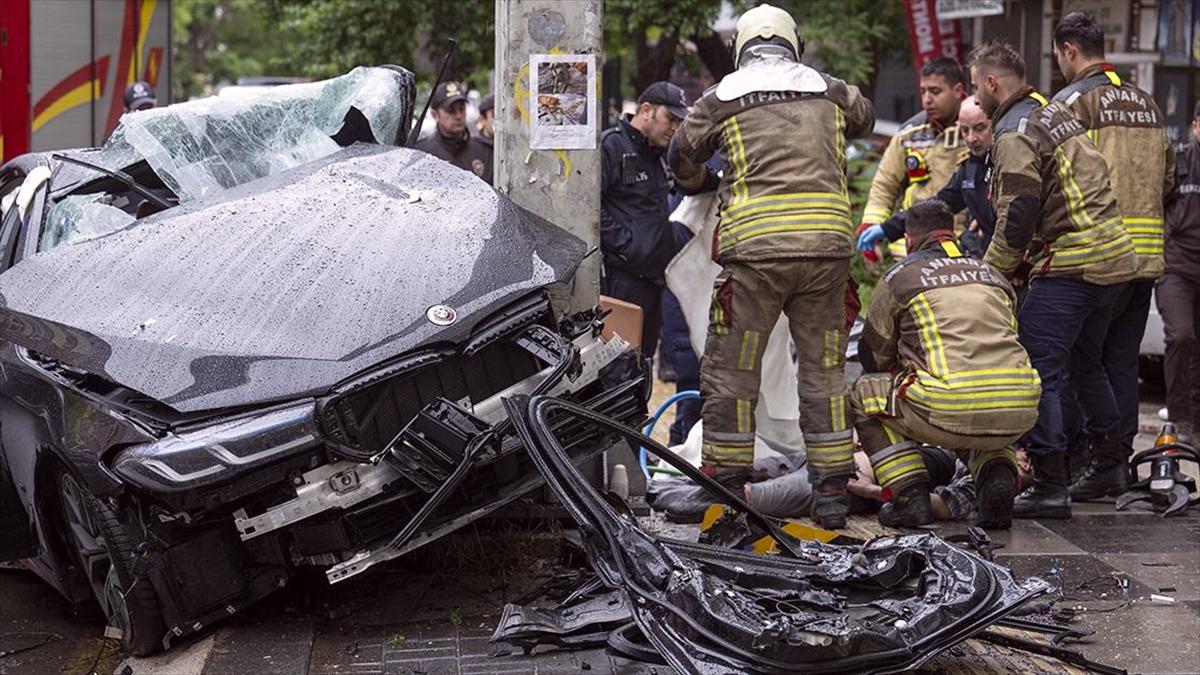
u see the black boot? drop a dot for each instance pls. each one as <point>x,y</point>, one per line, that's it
<point>830,504</point>
<point>1108,473</point>
<point>1048,497</point>
<point>909,508</point>
<point>995,490</point>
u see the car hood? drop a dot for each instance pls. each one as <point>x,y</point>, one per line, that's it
<point>287,285</point>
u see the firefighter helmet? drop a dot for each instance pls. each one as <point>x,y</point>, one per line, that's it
<point>765,23</point>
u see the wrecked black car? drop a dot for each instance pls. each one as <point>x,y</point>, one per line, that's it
<point>248,337</point>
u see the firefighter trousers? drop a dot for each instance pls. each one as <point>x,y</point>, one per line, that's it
<point>747,300</point>
<point>889,429</point>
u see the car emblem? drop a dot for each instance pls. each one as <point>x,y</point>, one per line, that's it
<point>441,315</point>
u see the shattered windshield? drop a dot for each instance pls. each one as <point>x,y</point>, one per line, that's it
<point>201,147</point>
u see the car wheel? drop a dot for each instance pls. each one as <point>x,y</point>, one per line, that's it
<point>104,548</point>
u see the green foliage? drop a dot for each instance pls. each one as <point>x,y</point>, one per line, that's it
<point>216,41</point>
<point>849,37</point>
<point>860,171</point>
<point>219,40</point>
<point>329,37</point>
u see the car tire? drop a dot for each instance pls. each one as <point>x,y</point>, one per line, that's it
<point>104,548</point>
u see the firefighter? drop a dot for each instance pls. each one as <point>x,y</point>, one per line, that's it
<point>1127,127</point>
<point>923,156</point>
<point>784,244</point>
<point>1057,224</point>
<point>941,338</point>
<point>968,189</point>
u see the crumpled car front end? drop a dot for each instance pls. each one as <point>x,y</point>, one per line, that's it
<point>234,357</point>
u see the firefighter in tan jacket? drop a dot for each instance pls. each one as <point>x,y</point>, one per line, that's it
<point>923,156</point>
<point>942,335</point>
<point>1127,127</point>
<point>1058,225</point>
<point>784,242</point>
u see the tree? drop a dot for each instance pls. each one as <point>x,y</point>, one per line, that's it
<point>219,40</point>
<point>849,38</point>
<point>329,37</point>
<point>649,33</point>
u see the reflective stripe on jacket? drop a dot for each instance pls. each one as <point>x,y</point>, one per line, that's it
<point>1055,210</point>
<point>1127,127</point>
<point>945,322</point>
<point>783,185</point>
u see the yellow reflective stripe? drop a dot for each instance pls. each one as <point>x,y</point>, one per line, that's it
<point>1094,136</point>
<point>830,355</point>
<point>826,455</point>
<point>1109,230</point>
<point>978,400</point>
<point>873,405</point>
<point>979,458</point>
<point>745,416</point>
<point>997,392</point>
<point>1038,97</point>
<point>951,249</point>
<point>1093,254</point>
<point>837,413</point>
<point>1147,235</point>
<point>893,437</point>
<point>763,226</point>
<point>876,215</point>
<point>827,208</point>
<point>742,453</point>
<point>716,315</point>
<point>1076,207</point>
<point>748,355</point>
<point>891,471</point>
<point>981,378</point>
<point>1113,77</point>
<point>839,201</point>
<point>737,157</point>
<point>930,338</point>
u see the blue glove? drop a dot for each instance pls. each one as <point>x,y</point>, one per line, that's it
<point>871,236</point>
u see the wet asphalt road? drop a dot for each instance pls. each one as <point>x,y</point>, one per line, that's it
<point>433,611</point>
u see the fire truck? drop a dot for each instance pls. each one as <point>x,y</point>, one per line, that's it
<point>65,64</point>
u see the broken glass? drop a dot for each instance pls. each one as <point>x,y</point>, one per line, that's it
<point>81,217</point>
<point>210,144</point>
<point>202,147</point>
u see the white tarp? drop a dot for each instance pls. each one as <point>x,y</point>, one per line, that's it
<point>690,277</point>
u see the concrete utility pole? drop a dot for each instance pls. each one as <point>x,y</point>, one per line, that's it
<point>562,186</point>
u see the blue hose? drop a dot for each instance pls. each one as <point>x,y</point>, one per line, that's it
<point>649,428</point>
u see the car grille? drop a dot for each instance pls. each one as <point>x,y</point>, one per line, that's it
<point>361,420</point>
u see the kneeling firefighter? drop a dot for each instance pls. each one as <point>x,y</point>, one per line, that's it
<point>783,241</point>
<point>941,335</point>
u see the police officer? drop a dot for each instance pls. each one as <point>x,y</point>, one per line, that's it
<point>450,140</point>
<point>1178,292</point>
<point>1127,127</point>
<point>784,243</point>
<point>636,238</point>
<point>924,154</point>
<point>941,338</point>
<point>968,189</point>
<point>140,96</point>
<point>1057,223</point>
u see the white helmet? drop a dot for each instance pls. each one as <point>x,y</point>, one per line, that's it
<point>766,22</point>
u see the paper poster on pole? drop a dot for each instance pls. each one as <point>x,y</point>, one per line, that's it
<point>562,102</point>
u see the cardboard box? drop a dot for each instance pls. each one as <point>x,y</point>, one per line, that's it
<point>624,320</point>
